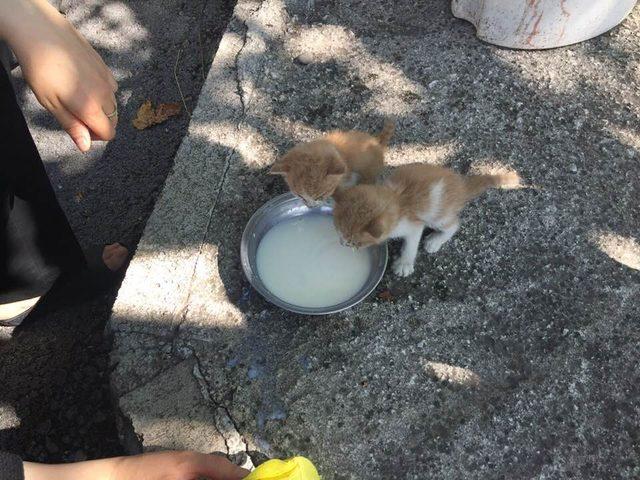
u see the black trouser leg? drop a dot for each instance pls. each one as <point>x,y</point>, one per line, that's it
<point>36,241</point>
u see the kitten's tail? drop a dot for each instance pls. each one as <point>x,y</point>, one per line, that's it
<point>477,184</point>
<point>387,132</point>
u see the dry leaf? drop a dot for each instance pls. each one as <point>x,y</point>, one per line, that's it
<point>386,296</point>
<point>166,110</point>
<point>79,196</point>
<point>147,116</point>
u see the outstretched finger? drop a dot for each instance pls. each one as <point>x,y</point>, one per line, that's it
<point>92,114</point>
<point>77,130</point>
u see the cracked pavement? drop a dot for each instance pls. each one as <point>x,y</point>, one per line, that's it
<point>506,355</point>
<point>55,403</point>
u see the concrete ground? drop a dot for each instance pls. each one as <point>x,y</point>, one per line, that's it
<point>55,402</point>
<point>512,353</point>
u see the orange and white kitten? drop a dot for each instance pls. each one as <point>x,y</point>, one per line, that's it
<point>313,170</point>
<point>412,198</point>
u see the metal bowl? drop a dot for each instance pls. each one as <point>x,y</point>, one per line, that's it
<point>285,207</point>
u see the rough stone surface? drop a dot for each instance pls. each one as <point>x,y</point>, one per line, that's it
<point>509,354</point>
<point>178,401</point>
<point>55,400</point>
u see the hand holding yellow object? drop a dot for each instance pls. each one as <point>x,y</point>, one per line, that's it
<point>296,468</point>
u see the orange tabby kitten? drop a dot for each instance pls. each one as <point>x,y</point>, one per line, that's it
<point>313,170</point>
<point>412,198</point>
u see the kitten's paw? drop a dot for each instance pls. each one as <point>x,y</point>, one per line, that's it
<point>402,269</point>
<point>432,245</point>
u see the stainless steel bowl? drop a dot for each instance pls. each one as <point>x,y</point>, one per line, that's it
<point>285,207</point>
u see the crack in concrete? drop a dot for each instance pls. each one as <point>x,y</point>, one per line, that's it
<point>227,162</point>
<point>223,421</point>
<point>146,381</point>
<point>166,337</point>
<point>222,413</point>
<point>236,62</point>
<point>204,390</point>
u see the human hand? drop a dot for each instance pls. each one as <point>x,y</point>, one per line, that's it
<point>177,466</point>
<point>170,465</point>
<point>65,73</point>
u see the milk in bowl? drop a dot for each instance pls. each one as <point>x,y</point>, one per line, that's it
<point>301,261</point>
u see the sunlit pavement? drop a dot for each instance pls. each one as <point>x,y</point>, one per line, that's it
<point>509,354</point>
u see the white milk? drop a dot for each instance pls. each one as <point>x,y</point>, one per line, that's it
<point>302,262</point>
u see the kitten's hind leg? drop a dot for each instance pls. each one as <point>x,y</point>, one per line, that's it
<point>435,240</point>
<point>404,265</point>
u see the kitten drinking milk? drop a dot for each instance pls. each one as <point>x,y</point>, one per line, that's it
<point>313,170</point>
<point>412,198</point>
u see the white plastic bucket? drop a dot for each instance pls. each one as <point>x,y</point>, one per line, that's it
<point>536,24</point>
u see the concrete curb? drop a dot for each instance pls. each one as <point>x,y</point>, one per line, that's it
<point>153,299</point>
<point>509,341</point>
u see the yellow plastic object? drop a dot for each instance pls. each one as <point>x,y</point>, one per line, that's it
<point>296,468</point>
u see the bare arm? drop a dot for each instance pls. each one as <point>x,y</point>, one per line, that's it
<point>66,74</point>
<point>150,466</point>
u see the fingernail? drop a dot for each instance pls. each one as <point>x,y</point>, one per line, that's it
<point>85,142</point>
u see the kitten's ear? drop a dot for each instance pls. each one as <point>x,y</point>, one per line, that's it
<point>375,228</point>
<point>336,167</point>
<point>279,168</point>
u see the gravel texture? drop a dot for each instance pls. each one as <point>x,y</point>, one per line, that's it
<point>509,354</point>
<point>55,401</point>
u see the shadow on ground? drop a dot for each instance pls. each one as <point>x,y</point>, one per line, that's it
<point>507,354</point>
<point>54,377</point>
